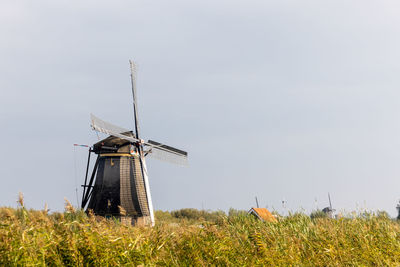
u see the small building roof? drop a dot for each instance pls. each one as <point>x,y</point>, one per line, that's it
<point>263,214</point>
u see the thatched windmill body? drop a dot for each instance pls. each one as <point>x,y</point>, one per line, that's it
<point>119,185</point>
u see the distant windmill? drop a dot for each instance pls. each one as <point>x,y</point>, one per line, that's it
<point>329,210</point>
<point>398,210</point>
<point>119,186</point>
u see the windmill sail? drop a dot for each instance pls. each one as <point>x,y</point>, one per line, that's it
<point>135,108</point>
<point>157,150</point>
<point>166,153</point>
<point>111,129</point>
<point>147,187</point>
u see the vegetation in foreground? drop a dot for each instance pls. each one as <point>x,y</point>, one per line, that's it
<point>190,237</point>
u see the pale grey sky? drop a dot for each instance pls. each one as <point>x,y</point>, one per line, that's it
<point>276,99</point>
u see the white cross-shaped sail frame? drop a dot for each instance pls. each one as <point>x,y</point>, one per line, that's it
<point>156,149</point>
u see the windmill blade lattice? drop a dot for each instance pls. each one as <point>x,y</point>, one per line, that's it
<point>167,156</point>
<point>111,129</point>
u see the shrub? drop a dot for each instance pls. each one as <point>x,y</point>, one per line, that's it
<point>318,214</point>
<point>194,214</point>
<point>234,213</point>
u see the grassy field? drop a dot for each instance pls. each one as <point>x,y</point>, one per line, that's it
<point>190,237</point>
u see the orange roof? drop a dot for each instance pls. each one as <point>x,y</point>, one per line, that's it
<point>263,214</point>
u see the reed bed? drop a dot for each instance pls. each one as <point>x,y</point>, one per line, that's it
<point>72,238</point>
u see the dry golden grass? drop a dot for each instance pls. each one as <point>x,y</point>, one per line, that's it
<point>32,238</point>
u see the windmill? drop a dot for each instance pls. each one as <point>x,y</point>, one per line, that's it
<point>118,185</point>
<point>329,210</point>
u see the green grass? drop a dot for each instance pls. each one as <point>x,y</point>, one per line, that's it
<point>34,238</point>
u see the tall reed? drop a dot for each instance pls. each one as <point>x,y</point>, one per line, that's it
<point>72,238</point>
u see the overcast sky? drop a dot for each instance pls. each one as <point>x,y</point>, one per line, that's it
<point>284,100</point>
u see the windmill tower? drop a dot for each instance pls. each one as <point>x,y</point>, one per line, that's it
<point>398,211</point>
<point>119,185</point>
<point>329,210</point>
